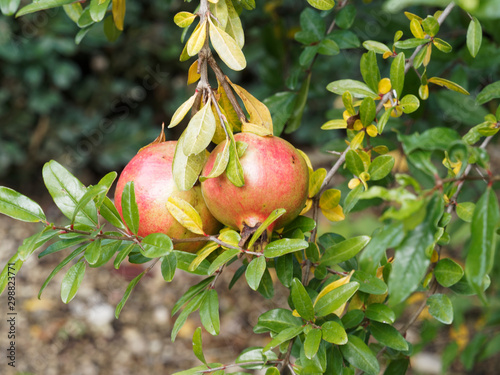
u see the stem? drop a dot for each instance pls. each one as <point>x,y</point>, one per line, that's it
<point>224,367</point>
<point>221,77</point>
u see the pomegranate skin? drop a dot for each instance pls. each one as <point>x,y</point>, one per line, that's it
<point>151,171</point>
<point>276,176</point>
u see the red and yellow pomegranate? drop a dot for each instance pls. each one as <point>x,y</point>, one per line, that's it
<point>151,172</point>
<point>276,176</point>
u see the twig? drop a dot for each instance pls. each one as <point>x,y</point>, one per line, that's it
<point>286,359</point>
<point>224,367</point>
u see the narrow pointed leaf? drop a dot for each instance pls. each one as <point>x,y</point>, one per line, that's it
<point>220,164</point>
<point>197,39</point>
<point>197,345</point>
<point>42,5</point>
<point>474,36</point>
<point>302,301</point>
<point>284,246</point>
<point>285,335</point>
<point>334,299</point>
<point>19,206</point>
<point>344,250</point>
<point>233,26</point>
<point>130,211</point>
<point>126,295</point>
<point>273,216</point>
<point>71,281</point>
<point>448,84</point>
<point>227,48</point>
<point>119,8</point>
<point>181,112</point>
<point>397,74</point>
<point>168,266</point>
<point>209,312</point>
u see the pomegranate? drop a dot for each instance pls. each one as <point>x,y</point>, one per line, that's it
<point>276,176</point>
<point>151,172</point>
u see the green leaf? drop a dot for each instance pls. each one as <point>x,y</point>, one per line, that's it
<point>480,252</point>
<point>440,307</point>
<point>380,167</point>
<point>356,88</point>
<point>316,365</point>
<point>311,21</point>
<point>130,211</point>
<point>370,71</point>
<point>234,170</point>
<point>9,7</point>
<point>93,251</point>
<point>19,206</point>
<point>448,272</point>
<point>345,17</point>
<point>65,261</point>
<point>186,169</point>
<point>126,295</point>
<point>352,198</point>
<point>110,213</point>
<point>156,245</point>
<point>223,258</point>
<point>410,103</point>
<point>197,345</point>
<point>301,300</point>
<point>71,281</point>
<point>492,91</point>
<point>322,4</point>
<point>397,74</point>
<point>98,9</point>
<point>273,216</point>
<point>285,335</point>
<point>474,36</point>
<point>227,48</point>
<point>255,354</point>
<point>430,25</point>
<point>411,259</point>
<point>284,246</point>
<point>410,43</point>
<point>110,30</point>
<point>367,111</point>
<point>344,250</point>
<point>358,354</point>
<point>190,293</point>
<point>304,223</point>
<point>380,313</point>
<point>255,271</point>
<point>442,45</point>
<point>311,343</point>
<point>9,270</point>
<point>220,164</point>
<point>108,249</point>
<point>85,19</point>
<point>202,254</point>
<point>328,47</point>
<point>335,298</point>
<point>449,85</point>
<point>284,269</point>
<point>299,105</point>
<point>91,193</point>
<point>465,210</point>
<point>42,5</point>
<point>33,242</point>
<point>168,266</point>
<point>368,283</point>
<point>200,131</point>
<point>281,106</point>
<point>377,47</point>
<point>123,253</point>
<point>334,333</point>
<point>61,245</point>
<point>209,312</point>
<point>388,335</point>
<point>277,320</point>
<point>266,287</point>
<point>352,318</point>
<point>193,305</point>
<point>354,163</point>
<point>73,11</point>
<point>67,191</point>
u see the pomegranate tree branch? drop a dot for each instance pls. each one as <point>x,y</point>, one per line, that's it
<point>224,367</point>
<point>221,77</point>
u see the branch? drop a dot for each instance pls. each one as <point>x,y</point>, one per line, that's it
<point>224,367</point>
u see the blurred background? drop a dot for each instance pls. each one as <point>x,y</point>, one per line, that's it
<point>92,106</point>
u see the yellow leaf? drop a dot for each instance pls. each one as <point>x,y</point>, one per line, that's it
<point>230,237</point>
<point>258,111</point>
<point>185,214</point>
<point>387,54</point>
<point>412,16</point>
<point>233,26</point>
<point>329,199</point>
<point>220,11</point>
<point>184,55</point>
<point>227,48</point>
<point>193,75</point>
<point>423,92</point>
<point>384,86</point>
<point>197,39</point>
<point>334,124</point>
<point>428,53</point>
<point>334,285</point>
<point>416,29</point>
<point>357,140</point>
<point>181,112</point>
<point>306,158</point>
<point>353,183</point>
<point>358,125</point>
<point>256,129</point>
<point>220,163</point>
<point>184,19</point>
<point>315,181</point>
<point>460,335</point>
<point>449,85</point>
<point>220,134</point>
<point>334,214</point>
<point>202,254</point>
<point>308,206</point>
<point>228,109</point>
<point>118,10</point>
<point>372,130</point>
